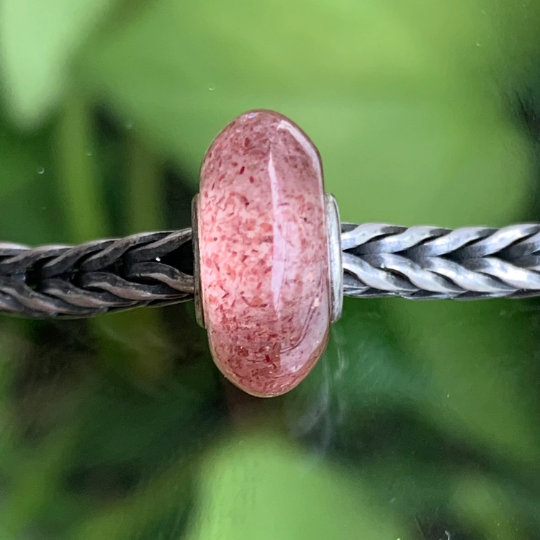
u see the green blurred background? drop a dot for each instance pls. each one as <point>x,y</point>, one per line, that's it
<point>422,419</point>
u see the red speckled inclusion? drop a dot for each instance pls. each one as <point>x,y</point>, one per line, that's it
<point>264,253</point>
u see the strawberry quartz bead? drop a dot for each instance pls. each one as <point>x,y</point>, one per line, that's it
<point>263,245</point>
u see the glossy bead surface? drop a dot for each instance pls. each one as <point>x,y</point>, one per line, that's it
<point>263,246</point>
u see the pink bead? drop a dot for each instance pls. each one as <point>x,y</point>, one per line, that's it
<point>264,253</point>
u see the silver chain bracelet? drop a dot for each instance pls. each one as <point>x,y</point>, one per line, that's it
<point>267,260</point>
<point>379,260</point>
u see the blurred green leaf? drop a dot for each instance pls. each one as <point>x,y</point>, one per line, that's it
<point>480,365</point>
<point>29,214</point>
<point>35,477</point>
<point>497,512</point>
<point>38,40</point>
<point>27,184</point>
<point>364,365</point>
<point>79,186</point>
<point>163,503</point>
<point>21,157</point>
<point>438,381</point>
<point>478,37</point>
<point>257,486</point>
<point>181,71</point>
<point>451,363</point>
<point>86,453</point>
<point>379,103</point>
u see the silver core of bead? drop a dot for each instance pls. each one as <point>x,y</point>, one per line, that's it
<point>333,224</point>
<point>199,311</point>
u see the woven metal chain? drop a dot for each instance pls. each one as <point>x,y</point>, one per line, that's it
<point>382,260</point>
<point>379,260</point>
<point>149,269</point>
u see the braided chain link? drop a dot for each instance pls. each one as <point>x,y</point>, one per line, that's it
<point>381,260</point>
<point>96,277</point>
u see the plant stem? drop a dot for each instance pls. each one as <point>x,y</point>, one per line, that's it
<point>80,193</point>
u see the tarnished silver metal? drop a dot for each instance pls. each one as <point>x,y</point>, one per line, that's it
<point>378,260</point>
<point>95,277</point>
<point>381,260</point>
<point>199,312</point>
<point>333,225</point>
